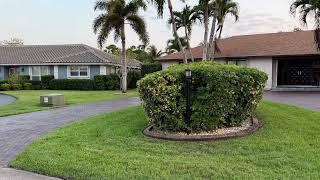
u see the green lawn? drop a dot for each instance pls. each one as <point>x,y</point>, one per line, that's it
<point>28,101</point>
<point>112,146</point>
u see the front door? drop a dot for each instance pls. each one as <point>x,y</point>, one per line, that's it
<point>300,73</point>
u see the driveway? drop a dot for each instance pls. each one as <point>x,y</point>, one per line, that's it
<point>18,131</point>
<point>5,99</point>
<point>310,100</point>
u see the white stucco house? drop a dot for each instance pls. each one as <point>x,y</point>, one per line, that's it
<point>291,59</point>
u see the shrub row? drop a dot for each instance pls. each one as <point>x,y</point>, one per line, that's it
<point>222,96</point>
<point>149,68</point>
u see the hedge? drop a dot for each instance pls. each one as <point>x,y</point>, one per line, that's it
<point>133,77</point>
<point>112,82</point>
<point>45,80</point>
<point>222,96</point>
<point>149,68</point>
<point>72,84</point>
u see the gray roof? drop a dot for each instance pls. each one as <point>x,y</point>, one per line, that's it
<point>58,54</point>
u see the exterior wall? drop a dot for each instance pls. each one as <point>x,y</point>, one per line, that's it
<point>265,65</point>
<point>94,71</point>
<point>63,72</point>
<point>165,65</point>
<point>2,73</point>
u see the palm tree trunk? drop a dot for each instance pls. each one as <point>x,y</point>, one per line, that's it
<point>188,43</point>
<point>124,60</point>
<point>211,39</point>
<point>206,29</point>
<point>175,33</point>
<point>221,28</point>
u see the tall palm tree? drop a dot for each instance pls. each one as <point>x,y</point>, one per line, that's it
<point>160,7</point>
<point>154,52</point>
<point>173,45</point>
<point>204,7</point>
<point>219,9</point>
<point>224,8</point>
<point>185,19</point>
<point>115,14</point>
<point>306,8</point>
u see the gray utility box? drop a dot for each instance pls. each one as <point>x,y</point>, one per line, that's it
<point>52,100</point>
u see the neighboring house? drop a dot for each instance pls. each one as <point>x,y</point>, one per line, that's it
<point>290,59</point>
<point>62,61</point>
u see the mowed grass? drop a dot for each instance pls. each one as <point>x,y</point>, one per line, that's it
<point>112,146</point>
<point>28,101</point>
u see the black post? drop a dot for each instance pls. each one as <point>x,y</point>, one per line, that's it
<point>188,97</point>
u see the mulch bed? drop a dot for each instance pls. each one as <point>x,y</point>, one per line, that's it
<point>248,127</point>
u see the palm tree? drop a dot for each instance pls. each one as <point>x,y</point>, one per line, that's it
<point>115,14</point>
<point>173,45</point>
<point>224,8</point>
<point>154,52</point>
<point>306,8</point>
<point>219,10</point>
<point>185,19</point>
<point>204,8</point>
<point>160,7</point>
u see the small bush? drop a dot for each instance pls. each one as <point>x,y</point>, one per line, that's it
<point>100,82</point>
<point>25,78</point>
<point>27,86</point>
<point>5,87</point>
<point>112,82</point>
<point>36,85</point>
<point>133,77</point>
<point>16,87</point>
<point>16,79</point>
<point>149,68</point>
<point>72,84</point>
<point>222,96</point>
<point>45,80</point>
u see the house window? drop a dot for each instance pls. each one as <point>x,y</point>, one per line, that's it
<point>38,71</point>
<point>78,71</point>
<point>238,62</point>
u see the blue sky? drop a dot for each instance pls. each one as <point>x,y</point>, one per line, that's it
<point>70,21</point>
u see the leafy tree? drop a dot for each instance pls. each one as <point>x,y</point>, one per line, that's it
<point>160,7</point>
<point>115,15</point>
<point>113,49</point>
<point>173,45</point>
<point>306,8</point>
<point>185,19</point>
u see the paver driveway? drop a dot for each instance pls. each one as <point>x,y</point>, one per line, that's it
<point>18,131</point>
<point>310,100</point>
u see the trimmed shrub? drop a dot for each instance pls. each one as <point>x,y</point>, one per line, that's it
<point>149,68</point>
<point>112,82</point>
<point>36,85</point>
<point>100,82</point>
<point>72,84</point>
<point>27,86</point>
<point>133,77</point>
<point>16,87</point>
<point>5,87</point>
<point>222,96</point>
<point>25,78</point>
<point>45,80</point>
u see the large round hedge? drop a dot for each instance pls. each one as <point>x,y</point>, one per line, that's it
<point>222,96</point>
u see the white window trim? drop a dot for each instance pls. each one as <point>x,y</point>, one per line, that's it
<point>56,72</point>
<point>78,77</point>
<point>31,73</point>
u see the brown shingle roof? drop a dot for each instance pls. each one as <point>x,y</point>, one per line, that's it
<point>260,45</point>
<point>60,54</point>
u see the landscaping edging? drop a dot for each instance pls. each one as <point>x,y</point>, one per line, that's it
<point>256,124</point>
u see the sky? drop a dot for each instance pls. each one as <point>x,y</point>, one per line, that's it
<point>70,21</point>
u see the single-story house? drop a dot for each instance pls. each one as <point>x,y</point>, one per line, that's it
<point>291,59</point>
<point>76,61</point>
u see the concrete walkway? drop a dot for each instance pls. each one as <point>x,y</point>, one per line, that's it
<point>5,99</point>
<point>18,131</point>
<point>12,174</point>
<point>309,100</point>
